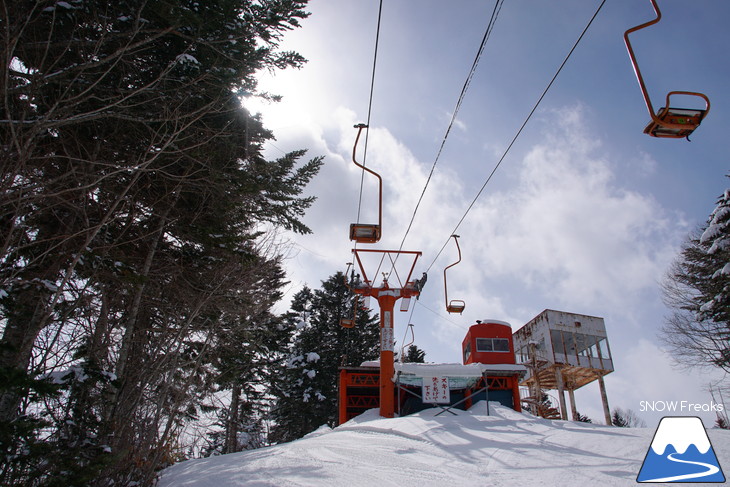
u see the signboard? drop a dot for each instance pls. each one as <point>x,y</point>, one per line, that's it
<point>386,339</point>
<point>435,390</point>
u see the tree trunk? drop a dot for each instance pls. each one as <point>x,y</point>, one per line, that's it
<point>231,445</point>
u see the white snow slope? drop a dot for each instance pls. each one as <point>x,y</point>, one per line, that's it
<point>506,448</point>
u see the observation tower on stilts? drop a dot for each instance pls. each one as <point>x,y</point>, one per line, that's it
<point>563,351</point>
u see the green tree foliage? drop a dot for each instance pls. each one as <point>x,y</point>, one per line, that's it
<point>132,197</point>
<point>306,390</point>
<point>626,418</point>
<point>697,289</point>
<point>414,355</point>
<point>583,418</point>
<point>617,419</point>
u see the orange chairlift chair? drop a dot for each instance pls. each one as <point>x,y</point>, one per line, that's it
<point>351,322</point>
<point>362,232</point>
<point>668,122</point>
<point>455,305</point>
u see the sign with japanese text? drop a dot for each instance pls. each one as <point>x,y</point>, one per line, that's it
<point>435,390</point>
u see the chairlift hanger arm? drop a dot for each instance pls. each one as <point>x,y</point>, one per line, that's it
<point>457,306</point>
<point>359,128</point>
<point>637,71</point>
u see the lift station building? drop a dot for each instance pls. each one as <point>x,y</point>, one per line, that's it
<point>564,351</point>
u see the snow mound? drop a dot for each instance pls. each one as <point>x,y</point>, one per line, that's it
<point>432,448</point>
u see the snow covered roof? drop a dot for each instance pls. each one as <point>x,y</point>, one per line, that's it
<point>499,322</point>
<point>456,370</point>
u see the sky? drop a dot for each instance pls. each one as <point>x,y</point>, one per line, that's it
<point>583,214</point>
<point>471,448</point>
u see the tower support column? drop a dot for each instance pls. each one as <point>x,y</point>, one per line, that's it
<point>604,400</point>
<point>386,300</point>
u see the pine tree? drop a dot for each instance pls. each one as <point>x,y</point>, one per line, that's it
<point>583,418</point>
<point>415,355</point>
<point>697,288</point>
<point>306,390</point>
<point>626,419</point>
<point>131,200</point>
<point>617,419</point>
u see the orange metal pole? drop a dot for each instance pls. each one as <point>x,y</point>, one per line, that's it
<point>386,300</point>
<point>635,65</point>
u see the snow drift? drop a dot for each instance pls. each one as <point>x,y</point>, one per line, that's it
<point>506,448</point>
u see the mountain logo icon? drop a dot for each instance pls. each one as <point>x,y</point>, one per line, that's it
<point>680,452</point>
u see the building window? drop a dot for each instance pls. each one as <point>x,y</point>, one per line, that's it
<point>492,345</point>
<point>500,344</point>
<point>467,352</point>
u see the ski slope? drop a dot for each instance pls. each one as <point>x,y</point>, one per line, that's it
<point>506,448</point>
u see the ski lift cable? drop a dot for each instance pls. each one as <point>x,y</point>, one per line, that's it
<point>519,132</point>
<point>443,318</point>
<point>464,89</point>
<point>370,107</point>
<point>409,327</point>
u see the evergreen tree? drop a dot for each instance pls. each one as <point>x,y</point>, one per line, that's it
<point>306,390</point>
<point>697,288</point>
<point>415,355</point>
<point>617,419</point>
<point>583,418</point>
<point>626,419</point>
<point>131,200</point>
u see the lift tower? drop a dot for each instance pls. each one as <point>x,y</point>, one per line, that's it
<point>387,291</point>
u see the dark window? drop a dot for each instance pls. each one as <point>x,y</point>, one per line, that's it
<point>492,345</point>
<point>467,352</point>
<point>500,344</point>
<point>484,344</point>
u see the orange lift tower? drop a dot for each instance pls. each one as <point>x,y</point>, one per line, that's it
<point>384,293</point>
<point>387,297</point>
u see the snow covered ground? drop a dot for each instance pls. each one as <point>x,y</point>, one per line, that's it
<point>506,448</point>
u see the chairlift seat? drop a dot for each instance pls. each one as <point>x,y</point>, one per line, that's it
<point>364,233</point>
<point>456,306</point>
<point>347,323</point>
<point>675,122</point>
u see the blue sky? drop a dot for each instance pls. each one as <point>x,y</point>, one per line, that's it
<point>585,213</point>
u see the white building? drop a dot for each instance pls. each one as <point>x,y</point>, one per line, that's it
<point>564,351</point>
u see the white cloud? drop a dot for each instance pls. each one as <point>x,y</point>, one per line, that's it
<point>567,229</point>
<point>643,373</point>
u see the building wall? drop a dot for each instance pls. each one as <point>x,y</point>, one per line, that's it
<point>565,338</point>
<point>489,342</point>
